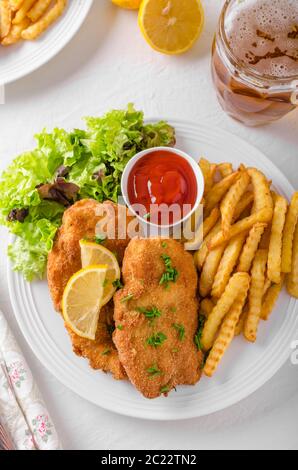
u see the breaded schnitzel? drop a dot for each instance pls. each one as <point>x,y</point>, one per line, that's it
<point>79,221</point>
<point>156,316</point>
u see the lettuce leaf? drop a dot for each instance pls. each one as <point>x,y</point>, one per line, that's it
<point>95,158</point>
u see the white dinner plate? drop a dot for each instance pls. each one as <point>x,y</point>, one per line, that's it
<point>26,56</point>
<point>244,368</point>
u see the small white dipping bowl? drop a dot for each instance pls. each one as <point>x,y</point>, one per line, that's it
<point>156,229</point>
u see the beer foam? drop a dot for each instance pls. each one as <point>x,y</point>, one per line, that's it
<point>258,35</point>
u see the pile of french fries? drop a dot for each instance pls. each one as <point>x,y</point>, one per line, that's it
<point>27,19</point>
<point>250,248</point>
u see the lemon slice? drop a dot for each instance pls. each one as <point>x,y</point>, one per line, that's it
<point>171,26</point>
<point>92,253</point>
<point>129,4</point>
<point>82,299</point>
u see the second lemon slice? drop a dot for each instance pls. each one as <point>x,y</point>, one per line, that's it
<point>171,26</point>
<point>82,300</point>
<point>93,253</point>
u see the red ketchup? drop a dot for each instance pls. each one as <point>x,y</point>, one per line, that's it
<point>162,177</point>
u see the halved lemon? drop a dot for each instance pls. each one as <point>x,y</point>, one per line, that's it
<point>128,4</point>
<point>92,253</point>
<point>82,299</point>
<point>171,26</point>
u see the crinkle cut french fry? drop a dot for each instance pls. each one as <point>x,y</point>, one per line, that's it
<point>231,199</point>
<point>206,307</point>
<point>203,230</point>
<point>218,191</point>
<point>226,332</point>
<point>241,322</point>
<point>16,4</point>
<point>38,9</point>
<point>270,298</point>
<point>255,295</point>
<point>45,21</point>
<point>243,205</point>
<point>202,253</point>
<point>275,243</point>
<point>265,240</point>
<point>263,209</point>
<point>250,247</point>
<point>292,278</point>
<point>237,284</point>
<point>208,172</point>
<point>267,285</point>
<point>227,264</point>
<point>262,193</point>
<point>209,270</point>
<point>15,33</point>
<point>288,235</point>
<point>225,169</point>
<point>5,18</point>
<point>22,12</point>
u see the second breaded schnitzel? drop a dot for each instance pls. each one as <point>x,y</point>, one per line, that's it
<point>156,316</point>
<point>79,221</point>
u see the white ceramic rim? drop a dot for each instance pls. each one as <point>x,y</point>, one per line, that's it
<point>196,170</point>
<point>250,380</point>
<point>47,51</point>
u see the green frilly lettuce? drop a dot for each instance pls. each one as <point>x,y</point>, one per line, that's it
<point>95,157</point>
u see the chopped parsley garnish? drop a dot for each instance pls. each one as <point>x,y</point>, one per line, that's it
<point>99,239</point>
<point>126,298</point>
<point>174,350</point>
<point>173,309</point>
<point>153,371</point>
<point>110,329</point>
<point>156,339</point>
<point>120,327</point>
<point>198,335</point>
<point>170,274</point>
<point>151,313</point>
<point>164,245</point>
<point>180,329</point>
<point>118,284</point>
<point>165,389</point>
<point>105,352</point>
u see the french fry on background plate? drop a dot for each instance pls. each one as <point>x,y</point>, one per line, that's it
<point>15,33</point>
<point>16,4</point>
<point>5,18</point>
<point>38,9</point>
<point>226,331</point>
<point>45,21</point>
<point>237,284</point>
<point>255,295</point>
<point>240,325</point>
<point>22,11</point>
<point>275,243</point>
<point>288,234</point>
<point>243,205</point>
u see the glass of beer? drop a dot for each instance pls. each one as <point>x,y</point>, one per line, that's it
<point>255,59</point>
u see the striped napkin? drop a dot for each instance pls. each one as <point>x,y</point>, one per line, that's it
<point>23,415</point>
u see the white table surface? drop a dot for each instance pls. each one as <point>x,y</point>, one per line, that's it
<point>108,65</point>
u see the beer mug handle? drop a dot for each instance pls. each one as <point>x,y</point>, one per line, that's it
<point>294,95</point>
